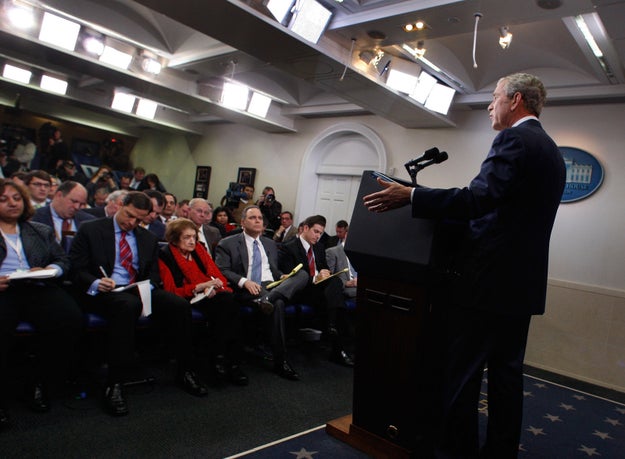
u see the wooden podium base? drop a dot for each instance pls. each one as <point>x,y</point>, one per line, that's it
<point>342,429</point>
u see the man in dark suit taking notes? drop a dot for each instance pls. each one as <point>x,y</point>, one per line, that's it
<point>509,209</point>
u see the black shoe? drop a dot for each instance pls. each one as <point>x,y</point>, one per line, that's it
<point>284,370</point>
<point>264,304</point>
<point>237,377</point>
<point>5,421</point>
<point>342,358</point>
<point>115,401</point>
<point>221,368</point>
<point>38,400</point>
<point>191,384</point>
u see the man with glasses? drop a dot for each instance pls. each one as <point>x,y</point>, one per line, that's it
<point>38,183</point>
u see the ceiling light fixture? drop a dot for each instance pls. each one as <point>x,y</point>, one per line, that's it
<point>59,31</point>
<point>53,84</point>
<point>583,27</point>
<point>505,37</point>
<point>115,57</point>
<point>93,45</point>
<point>123,102</point>
<point>151,65</point>
<point>417,52</point>
<point>21,16</point>
<point>17,73</point>
<point>414,26</point>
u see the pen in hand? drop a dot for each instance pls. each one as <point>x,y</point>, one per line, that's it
<point>103,272</point>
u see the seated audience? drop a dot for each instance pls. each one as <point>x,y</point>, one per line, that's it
<point>124,182</point>
<point>222,220</point>
<point>270,208</point>
<point>111,252</point>
<point>339,261</point>
<point>69,171</point>
<point>152,222</point>
<point>250,262</point>
<point>341,233</point>
<point>38,184</point>
<point>182,209</point>
<point>243,203</point>
<point>137,177</point>
<point>326,294</point>
<point>64,214</point>
<point>187,270</point>
<point>99,197</point>
<point>167,214</point>
<point>103,178</point>
<point>151,182</point>
<point>201,213</point>
<point>57,319</point>
<point>113,202</point>
<point>286,230</point>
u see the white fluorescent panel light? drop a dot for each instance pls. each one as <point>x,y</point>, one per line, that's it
<point>259,105</point>
<point>53,84</point>
<point>21,16</point>
<point>147,108</point>
<point>401,81</point>
<point>16,73</point>
<point>310,20</point>
<point>59,31</point>
<point>583,27</point>
<point>93,45</point>
<point>235,96</point>
<point>440,99</point>
<point>123,102</point>
<point>116,58</point>
<point>279,8</point>
<point>424,87</point>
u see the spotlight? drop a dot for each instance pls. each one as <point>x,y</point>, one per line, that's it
<point>505,37</point>
<point>414,26</point>
<point>151,65</point>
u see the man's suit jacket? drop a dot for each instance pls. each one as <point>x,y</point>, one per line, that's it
<point>510,207</point>
<point>44,215</point>
<point>231,257</point>
<point>94,246</point>
<point>292,253</point>
<point>40,247</point>
<point>290,234</point>
<point>97,212</point>
<point>213,236</point>
<point>337,261</point>
<point>157,227</point>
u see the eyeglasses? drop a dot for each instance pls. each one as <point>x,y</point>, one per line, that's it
<point>40,184</point>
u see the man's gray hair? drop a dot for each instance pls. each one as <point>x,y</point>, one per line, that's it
<point>531,89</point>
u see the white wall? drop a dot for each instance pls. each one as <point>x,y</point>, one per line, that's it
<point>581,333</point>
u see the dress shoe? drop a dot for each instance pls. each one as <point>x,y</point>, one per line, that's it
<point>264,304</point>
<point>221,368</point>
<point>284,370</point>
<point>342,358</point>
<point>237,377</point>
<point>115,401</point>
<point>5,421</point>
<point>192,384</point>
<point>38,400</point>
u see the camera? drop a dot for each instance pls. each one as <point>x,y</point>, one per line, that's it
<point>270,198</point>
<point>234,193</point>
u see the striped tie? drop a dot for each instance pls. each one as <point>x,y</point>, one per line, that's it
<point>311,262</point>
<point>257,264</point>
<point>125,257</point>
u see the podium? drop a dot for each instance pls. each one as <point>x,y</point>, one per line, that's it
<point>395,256</point>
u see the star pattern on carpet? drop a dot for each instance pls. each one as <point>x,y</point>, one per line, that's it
<point>579,397</point>
<point>303,454</point>
<point>614,422</point>
<point>535,430</point>
<point>620,410</point>
<point>567,407</point>
<point>602,435</point>
<point>540,385</point>
<point>589,451</point>
<point>527,393</point>
<point>552,418</point>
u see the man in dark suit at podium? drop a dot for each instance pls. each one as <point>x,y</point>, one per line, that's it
<point>502,263</point>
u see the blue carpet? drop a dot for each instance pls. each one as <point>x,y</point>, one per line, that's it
<point>558,423</point>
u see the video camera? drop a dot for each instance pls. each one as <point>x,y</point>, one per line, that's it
<point>234,194</point>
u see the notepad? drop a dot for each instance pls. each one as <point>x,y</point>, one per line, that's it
<point>38,274</point>
<point>278,282</point>
<point>331,276</point>
<point>201,295</point>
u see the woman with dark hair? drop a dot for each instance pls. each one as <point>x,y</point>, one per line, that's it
<point>151,182</point>
<point>222,220</point>
<point>187,270</point>
<point>26,248</point>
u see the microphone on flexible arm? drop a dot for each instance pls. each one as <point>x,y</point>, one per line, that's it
<point>436,157</point>
<point>426,156</point>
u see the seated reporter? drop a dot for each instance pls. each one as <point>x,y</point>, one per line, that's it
<point>111,252</point>
<point>30,246</point>
<point>187,270</point>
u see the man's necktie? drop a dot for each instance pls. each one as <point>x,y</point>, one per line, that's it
<point>257,264</point>
<point>311,262</point>
<point>66,226</point>
<point>125,256</point>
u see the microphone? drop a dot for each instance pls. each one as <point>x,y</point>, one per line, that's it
<point>427,155</point>
<point>437,159</point>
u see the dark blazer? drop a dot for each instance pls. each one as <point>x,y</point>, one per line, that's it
<point>40,247</point>
<point>44,215</point>
<point>290,234</point>
<point>97,212</point>
<point>510,207</point>
<point>157,227</point>
<point>292,253</point>
<point>94,246</point>
<point>231,257</point>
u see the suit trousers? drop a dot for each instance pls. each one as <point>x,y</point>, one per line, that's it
<point>224,324</point>
<point>473,339</point>
<point>171,314</point>
<point>58,322</point>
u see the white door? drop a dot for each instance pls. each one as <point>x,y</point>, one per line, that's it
<point>336,197</point>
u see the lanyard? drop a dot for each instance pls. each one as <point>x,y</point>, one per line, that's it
<point>16,246</point>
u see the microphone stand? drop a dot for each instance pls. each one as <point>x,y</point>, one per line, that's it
<point>413,169</point>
